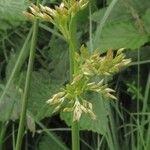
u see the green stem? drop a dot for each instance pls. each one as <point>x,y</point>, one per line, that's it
<point>13,136</point>
<point>26,89</point>
<point>75,136</point>
<point>2,134</point>
<point>138,102</point>
<point>73,69</point>
<point>75,126</point>
<point>72,50</point>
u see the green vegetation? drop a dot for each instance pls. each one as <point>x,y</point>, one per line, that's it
<point>66,76</point>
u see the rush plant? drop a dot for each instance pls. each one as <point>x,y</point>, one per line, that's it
<point>87,71</point>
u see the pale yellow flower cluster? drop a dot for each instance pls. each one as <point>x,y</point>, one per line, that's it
<point>73,97</point>
<point>70,99</point>
<point>61,16</point>
<point>108,65</point>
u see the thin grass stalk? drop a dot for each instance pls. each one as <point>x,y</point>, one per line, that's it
<point>145,103</point>
<point>13,136</point>
<point>27,85</point>
<point>99,145</point>
<point>138,100</point>
<point>146,95</point>
<point>104,19</point>
<point>140,133</point>
<point>2,134</point>
<point>139,62</point>
<point>144,109</point>
<point>113,130</point>
<point>87,144</point>
<point>109,139</point>
<point>148,136</point>
<point>126,140</point>
<point>18,64</point>
<point>147,91</point>
<point>90,29</point>
<point>132,134</point>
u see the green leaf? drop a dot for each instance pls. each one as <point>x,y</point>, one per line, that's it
<point>136,4</point>
<point>47,143</point>
<point>9,106</point>
<point>13,56</point>
<point>123,34</point>
<point>86,123</point>
<point>42,88</point>
<point>146,19</point>
<point>116,14</point>
<point>11,13</point>
<point>60,59</point>
<point>124,27</point>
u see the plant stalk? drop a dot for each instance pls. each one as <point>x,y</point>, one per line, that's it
<point>27,85</point>
<point>73,69</point>
<point>75,136</point>
<point>3,127</point>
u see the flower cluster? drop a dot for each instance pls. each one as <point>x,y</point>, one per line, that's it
<point>72,97</point>
<point>61,16</point>
<point>96,65</point>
